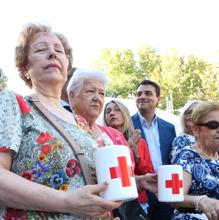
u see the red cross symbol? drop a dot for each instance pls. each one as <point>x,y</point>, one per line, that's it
<point>175,183</point>
<point>123,171</point>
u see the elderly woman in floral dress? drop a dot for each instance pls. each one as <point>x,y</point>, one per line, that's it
<point>40,175</point>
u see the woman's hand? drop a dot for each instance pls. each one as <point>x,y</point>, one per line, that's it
<point>86,202</point>
<point>210,207</point>
<point>147,182</point>
<point>134,142</point>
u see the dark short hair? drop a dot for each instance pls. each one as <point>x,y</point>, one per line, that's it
<point>152,83</point>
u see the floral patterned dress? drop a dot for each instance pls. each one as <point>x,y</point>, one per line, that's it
<point>205,178</point>
<point>40,153</point>
<point>179,143</point>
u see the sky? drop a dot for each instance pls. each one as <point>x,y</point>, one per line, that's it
<point>189,26</point>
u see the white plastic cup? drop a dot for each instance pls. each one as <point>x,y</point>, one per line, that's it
<point>113,164</point>
<point>170,183</point>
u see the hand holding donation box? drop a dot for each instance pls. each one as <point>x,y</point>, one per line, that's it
<point>113,165</point>
<point>170,183</point>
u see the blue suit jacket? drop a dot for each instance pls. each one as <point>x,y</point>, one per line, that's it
<point>167,132</point>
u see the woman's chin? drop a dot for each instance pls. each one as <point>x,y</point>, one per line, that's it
<point>113,126</point>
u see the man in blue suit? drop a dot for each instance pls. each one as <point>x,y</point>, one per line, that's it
<point>159,135</point>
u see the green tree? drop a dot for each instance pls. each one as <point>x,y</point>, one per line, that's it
<point>182,78</point>
<point>168,77</point>
<point>210,82</point>
<point>121,68</point>
<point>149,62</point>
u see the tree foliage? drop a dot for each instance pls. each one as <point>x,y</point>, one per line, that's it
<point>182,78</point>
<point>121,66</point>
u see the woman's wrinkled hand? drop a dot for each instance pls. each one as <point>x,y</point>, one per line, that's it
<point>134,143</point>
<point>210,207</point>
<point>86,202</point>
<point>134,139</point>
<point>147,182</point>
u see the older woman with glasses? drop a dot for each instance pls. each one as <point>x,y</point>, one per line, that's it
<point>201,166</point>
<point>186,137</point>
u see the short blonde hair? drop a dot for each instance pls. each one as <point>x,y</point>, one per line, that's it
<point>202,109</point>
<point>127,128</point>
<point>25,37</point>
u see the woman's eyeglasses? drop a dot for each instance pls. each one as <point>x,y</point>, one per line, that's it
<point>210,124</point>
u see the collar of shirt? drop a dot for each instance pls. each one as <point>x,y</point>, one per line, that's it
<point>144,122</point>
<point>66,105</point>
<point>63,102</point>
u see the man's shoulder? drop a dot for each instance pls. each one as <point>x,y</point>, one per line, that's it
<point>135,116</point>
<point>164,122</point>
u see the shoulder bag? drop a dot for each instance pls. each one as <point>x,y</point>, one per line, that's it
<point>75,147</point>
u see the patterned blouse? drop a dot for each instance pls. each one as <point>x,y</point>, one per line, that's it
<point>179,143</point>
<point>205,178</point>
<point>40,153</point>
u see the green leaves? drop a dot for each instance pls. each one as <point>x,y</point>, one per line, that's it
<point>121,68</point>
<point>182,78</point>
